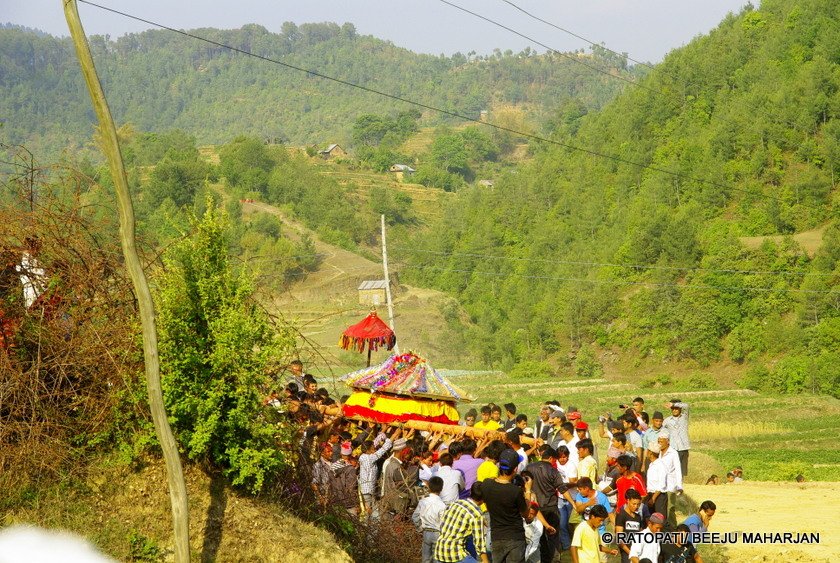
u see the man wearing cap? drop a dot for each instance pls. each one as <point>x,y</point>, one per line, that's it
<point>344,486</point>
<point>677,425</point>
<point>646,547</point>
<point>582,433</point>
<point>507,506</point>
<point>673,474</point>
<point>398,446</point>
<point>657,498</point>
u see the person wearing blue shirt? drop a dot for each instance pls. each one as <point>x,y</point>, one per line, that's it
<point>588,496</point>
<point>698,522</point>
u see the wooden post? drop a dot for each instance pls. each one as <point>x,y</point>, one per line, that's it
<point>111,147</point>
<point>388,284</point>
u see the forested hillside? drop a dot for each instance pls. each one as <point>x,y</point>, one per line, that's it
<point>577,250</point>
<point>158,81</point>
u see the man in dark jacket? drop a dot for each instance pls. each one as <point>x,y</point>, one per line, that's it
<point>547,483</point>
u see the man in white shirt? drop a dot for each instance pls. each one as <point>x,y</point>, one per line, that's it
<point>677,425</point>
<point>427,517</point>
<point>657,499</point>
<point>673,474</point>
<point>368,472</point>
<point>643,549</point>
<point>453,480</point>
<point>568,472</point>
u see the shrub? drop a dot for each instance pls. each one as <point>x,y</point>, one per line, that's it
<point>530,368</point>
<point>755,378</point>
<point>656,381</point>
<point>215,345</point>
<point>586,365</point>
<point>700,381</point>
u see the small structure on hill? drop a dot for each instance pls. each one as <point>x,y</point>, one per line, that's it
<point>401,171</point>
<point>332,151</point>
<point>372,292</point>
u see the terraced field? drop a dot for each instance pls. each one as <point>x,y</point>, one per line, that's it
<point>425,201</point>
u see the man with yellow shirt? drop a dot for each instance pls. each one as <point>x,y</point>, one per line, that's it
<point>586,543</point>
<point>486,423</point>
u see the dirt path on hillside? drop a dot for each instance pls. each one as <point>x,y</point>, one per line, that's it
<point>336,264</point>
<point>324,302</point>
<point>776,507</point>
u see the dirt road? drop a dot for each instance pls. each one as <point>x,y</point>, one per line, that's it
<point>776,507</point>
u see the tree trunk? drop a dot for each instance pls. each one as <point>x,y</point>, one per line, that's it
<point>111,147</point>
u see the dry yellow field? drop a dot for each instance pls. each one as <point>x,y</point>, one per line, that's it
<point>776,507</point>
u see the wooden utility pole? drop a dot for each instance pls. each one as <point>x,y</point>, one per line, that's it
<point>387,284</point>
<point>110,144</point>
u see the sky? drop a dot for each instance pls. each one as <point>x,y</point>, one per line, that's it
<point>646,29</point>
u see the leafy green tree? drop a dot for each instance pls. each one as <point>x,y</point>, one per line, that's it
<point>177,180</point>
<point>215,345</point>
<point>246,162</point>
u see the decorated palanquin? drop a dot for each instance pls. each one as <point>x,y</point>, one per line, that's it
<point>405,387</point>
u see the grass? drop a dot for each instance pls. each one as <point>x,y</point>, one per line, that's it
<point>123,511</point>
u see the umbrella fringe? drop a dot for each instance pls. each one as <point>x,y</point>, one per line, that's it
<point>358,343</point>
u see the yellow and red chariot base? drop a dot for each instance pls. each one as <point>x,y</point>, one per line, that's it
<point>392,408</point>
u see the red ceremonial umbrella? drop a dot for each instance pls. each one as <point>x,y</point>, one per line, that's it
<point>372,333</point>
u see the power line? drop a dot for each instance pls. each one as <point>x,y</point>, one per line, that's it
<point>624,283</point>
<point>543,45</point>
<point>614,265</point>
<point>772,118</point>
<point>573,34</point>
<point>448,112</point>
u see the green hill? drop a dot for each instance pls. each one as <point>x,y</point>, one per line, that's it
<point>159,81</point>
<point>576,250</point>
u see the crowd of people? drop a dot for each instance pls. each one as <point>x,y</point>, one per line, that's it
<point>504,487</point>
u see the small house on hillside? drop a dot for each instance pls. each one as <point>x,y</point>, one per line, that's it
<point>401,171</point>
<point>332,151</point>
<point>372,292</point>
